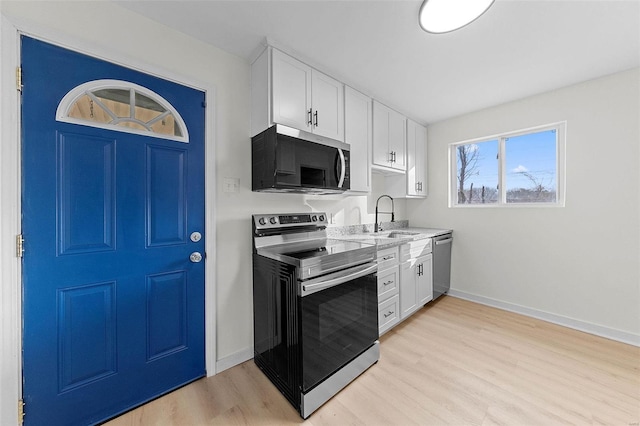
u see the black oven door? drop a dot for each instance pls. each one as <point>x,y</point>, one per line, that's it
<point>339,321</point>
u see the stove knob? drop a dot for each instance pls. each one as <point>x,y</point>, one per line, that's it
<point>272,220</point>
<point>314,218</point>
<point>262,221</point>
<point>321,218</point>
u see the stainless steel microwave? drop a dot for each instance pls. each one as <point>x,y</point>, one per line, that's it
<point>288,160</point>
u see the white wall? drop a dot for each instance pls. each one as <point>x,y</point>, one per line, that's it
<point>580,263</point>
<point>110,29</point>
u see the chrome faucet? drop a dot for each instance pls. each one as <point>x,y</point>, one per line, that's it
<point>376,228</point>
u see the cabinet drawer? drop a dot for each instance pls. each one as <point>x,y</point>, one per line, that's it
<point>388,283</point>
<point>415,249</point>
<point>388,314</point>
<point>387,258</point>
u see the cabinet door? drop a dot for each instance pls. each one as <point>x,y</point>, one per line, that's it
<point>424,278</point>
<point>327,99</point>
<point>416,159</point>
<point>381,153</point>
<point>408,282</point>
<point>397,139</point>
<point>291,91</point>
<point>357,133</point>
<point>421,160</point>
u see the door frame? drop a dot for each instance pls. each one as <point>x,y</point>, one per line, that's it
<point>10,196</point>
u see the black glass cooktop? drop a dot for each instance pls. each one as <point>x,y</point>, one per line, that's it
<point>305,254</point>
<point>315,249</point>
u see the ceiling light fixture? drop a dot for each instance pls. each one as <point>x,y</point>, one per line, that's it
<point>442,16</point>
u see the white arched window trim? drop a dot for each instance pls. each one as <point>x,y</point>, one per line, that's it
<point>69,100</point>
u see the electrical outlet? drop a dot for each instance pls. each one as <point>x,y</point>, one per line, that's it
<point>230,184</point>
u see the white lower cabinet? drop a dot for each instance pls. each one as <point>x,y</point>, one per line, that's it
<point>424,282</point>
<point>388,287</point>
<point>388,314</point>
<point>388,283</point>
<point>405,281</point>
<point>416,276</point>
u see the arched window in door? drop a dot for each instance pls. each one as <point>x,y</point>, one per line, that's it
<point>122,106</point>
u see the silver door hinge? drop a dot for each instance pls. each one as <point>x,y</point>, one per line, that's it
<point>19,245</point>
<point>19,79</point>
<point>20,411</point>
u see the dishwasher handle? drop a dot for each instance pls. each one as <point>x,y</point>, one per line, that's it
<point>442,242</point>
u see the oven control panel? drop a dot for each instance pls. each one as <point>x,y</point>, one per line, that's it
<point>274,221</point>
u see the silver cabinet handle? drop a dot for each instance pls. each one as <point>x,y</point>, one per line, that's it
<point>387,283</point>
<point>388,314</point>
<point>195,257</point>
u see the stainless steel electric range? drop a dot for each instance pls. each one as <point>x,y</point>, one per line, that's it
<point>315,307</point>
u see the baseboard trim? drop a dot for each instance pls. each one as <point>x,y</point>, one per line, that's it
<point>234,359</point>
<point>598,330</point>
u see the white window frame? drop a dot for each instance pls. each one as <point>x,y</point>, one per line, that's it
<point>561,130</point>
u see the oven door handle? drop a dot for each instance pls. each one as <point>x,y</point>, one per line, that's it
<point>322,283</point>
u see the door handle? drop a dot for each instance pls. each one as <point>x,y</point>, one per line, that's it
<point>195,257</point>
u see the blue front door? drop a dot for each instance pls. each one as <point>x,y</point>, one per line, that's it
<point>113,306</point>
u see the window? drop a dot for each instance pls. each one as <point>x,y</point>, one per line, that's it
<point>521,168</point>
<point>122,106</point>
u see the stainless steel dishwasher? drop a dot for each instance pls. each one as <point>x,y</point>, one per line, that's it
<point>441,264</point>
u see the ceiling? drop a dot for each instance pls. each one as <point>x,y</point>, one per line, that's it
<point>516,49</point>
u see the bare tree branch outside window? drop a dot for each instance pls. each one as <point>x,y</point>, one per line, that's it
<point>468,156</point>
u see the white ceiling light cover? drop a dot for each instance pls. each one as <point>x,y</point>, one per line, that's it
<point>442,16</point>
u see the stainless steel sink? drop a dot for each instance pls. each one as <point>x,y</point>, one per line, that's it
<point>401,234</point>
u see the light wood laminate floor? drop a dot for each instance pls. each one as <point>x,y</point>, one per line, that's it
<point>453,362</point>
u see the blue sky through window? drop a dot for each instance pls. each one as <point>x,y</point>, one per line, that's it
<point>531,160</point>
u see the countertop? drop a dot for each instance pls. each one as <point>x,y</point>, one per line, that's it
<point>383,240</point>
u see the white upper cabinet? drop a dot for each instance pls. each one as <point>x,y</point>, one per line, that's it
<point>414,183</point>
<point>416,159</point>
<point>327,104</point>
<point>291,92</point>
<point>296,95</point>
<point>389,138</point>
<point>358,134</point>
